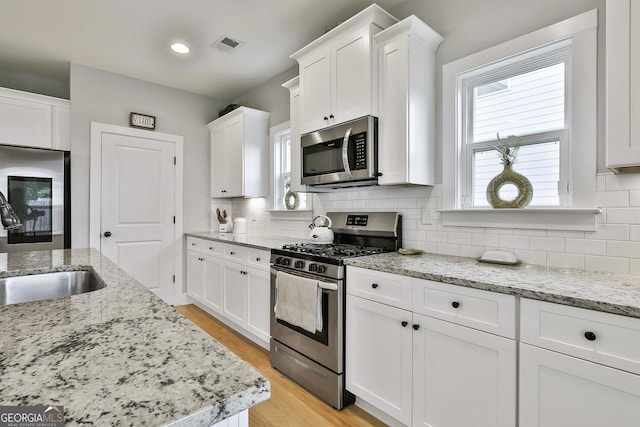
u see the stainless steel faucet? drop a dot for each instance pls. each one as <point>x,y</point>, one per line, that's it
<point>10,220</point>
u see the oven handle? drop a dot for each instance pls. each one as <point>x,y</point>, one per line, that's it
<point>330,286</point>
<point>345,149</point>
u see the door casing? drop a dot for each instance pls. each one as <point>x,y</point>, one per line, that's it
<point>95,195</point>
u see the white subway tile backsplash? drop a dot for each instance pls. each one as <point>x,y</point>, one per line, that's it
<point>480,239</point>
<point>529,232</point>
<point>460,238</point>
<point>609,232</point>
<point>606,199</point>
<point>447,249</point>
<point>586,246</point>
<point>622,182</point>
<point>514,242</point>
<point>606,264</point>
<point>613,247</point>
<point>623,215</point>
<point>531,257</point>
<point>437,236</point>
<point>564,260</point>
<point>471,251</point>
<point>551,244</point>
<point>625,249</point>
<point>567,234</point>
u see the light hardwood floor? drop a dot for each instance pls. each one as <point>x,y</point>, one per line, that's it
<point>289,405</point>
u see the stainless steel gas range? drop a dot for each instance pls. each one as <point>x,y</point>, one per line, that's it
<point>315,359</point>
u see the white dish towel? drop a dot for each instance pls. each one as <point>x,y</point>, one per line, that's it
<point>298,301</point>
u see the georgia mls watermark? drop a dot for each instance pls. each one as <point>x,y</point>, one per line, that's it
<point>32,416</point>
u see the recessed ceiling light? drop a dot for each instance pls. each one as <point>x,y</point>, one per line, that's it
<point>178,47</point>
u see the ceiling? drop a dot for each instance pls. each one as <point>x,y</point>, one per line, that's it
<point>132,38</point>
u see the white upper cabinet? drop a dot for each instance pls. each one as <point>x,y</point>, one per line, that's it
<point>338,72</point>
<point>31,120</point>
<point>240,154</point>
<point>406,126</point>
<point>623,84</point>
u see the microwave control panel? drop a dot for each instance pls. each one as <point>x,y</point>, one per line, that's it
<point>360,150</point>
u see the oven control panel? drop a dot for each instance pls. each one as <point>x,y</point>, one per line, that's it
<point>310,267</point>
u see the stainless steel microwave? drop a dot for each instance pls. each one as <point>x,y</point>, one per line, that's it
<point>343,155</point>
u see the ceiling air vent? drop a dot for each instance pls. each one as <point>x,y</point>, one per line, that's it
<point>226,44</point>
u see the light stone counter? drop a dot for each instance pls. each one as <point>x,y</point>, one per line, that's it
<point>603,292</point>
<point>249,240</point>
<point>115,356</point>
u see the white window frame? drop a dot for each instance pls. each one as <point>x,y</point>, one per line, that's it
<point>277,204</point>
<point>579,212</point>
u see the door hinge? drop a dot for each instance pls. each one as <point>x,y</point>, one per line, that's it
<point>175,161</point>
<point>174,278</point>
<point>174,219</point>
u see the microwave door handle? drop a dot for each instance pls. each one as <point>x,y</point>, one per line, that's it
<point>345,149</point>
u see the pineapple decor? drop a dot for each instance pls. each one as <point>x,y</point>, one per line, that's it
<point>508,155</point>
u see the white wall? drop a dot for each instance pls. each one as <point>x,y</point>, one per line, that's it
<point>271,96</point>
<point>109,98</point>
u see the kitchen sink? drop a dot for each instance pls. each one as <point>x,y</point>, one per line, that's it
<point>37,287</point>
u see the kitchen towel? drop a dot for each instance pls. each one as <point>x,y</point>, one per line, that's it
<point>298,301</point>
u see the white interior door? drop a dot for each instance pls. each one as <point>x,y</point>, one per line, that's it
<point>137,207</point>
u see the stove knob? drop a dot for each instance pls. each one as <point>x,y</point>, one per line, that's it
<point>287,262</point>
<point>299,264</point>
<point>313,267</point>
<point>322,268</point>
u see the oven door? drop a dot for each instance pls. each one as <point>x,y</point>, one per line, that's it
<point>324,347</point>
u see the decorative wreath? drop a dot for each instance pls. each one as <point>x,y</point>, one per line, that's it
<point>291,200</point>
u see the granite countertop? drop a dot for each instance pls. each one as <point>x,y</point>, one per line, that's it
<point>249,240</point>
<point>598,291</point>
<point>115,356</point>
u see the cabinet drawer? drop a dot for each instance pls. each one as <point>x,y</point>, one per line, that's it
<point>483,310</point>
<point>259,258</point>
<point>604,338</point>
<point>204,246</point>
<point>391,289</point>
<point>236,253</point>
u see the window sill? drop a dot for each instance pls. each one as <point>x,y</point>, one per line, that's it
<point>294,215</point>
<point>574,219</point>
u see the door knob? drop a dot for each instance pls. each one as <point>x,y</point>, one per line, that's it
<point>107,234</point>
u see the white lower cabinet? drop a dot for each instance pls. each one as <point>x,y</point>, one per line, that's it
<point>578,368</point>
<point>233,284</point>
<point>425,371</point>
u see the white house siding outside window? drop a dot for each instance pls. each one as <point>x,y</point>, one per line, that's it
<point>538,92</point>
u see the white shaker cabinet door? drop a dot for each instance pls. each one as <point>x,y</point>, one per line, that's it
<point>195,275</point>
<point>213,283</point>
<point>258,303</point>
<point>315,90</point>
<point>234,296</point>
<point>563,391</point>
<point>462,376</point>
<point>234,166</point>
<point>351,71</point>
<point>379,355</point>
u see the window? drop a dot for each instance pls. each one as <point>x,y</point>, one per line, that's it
<point>537,92</point>
<point>281,142</point>
<point>527,108</point>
